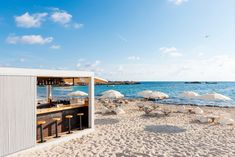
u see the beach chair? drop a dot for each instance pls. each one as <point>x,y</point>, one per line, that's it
<point>140,106</point>
<point>167,112</point>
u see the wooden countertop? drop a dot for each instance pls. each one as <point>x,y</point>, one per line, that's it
<point>61,108</point>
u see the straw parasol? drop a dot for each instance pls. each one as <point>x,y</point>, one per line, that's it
<point>145,93</point>
<point>158,95</point>
<point>111,94</point>
<point>110,91</point>
<point>77,94</point>
<point>214,96</point>
<point>189,94</point>
<point>153,94</point>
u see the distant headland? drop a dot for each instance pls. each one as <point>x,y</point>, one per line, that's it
<point>119,83</point>
<point>198,82</point>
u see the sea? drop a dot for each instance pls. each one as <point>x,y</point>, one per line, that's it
<point>173,89</point>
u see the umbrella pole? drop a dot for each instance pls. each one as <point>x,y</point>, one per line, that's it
<point>49,93</point>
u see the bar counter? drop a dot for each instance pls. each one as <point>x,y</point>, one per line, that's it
<point>61,108</point>
<point>47,114</point>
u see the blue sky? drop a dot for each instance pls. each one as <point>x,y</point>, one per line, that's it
<point>122,39</point>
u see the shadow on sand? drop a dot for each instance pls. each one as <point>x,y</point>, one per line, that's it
<point>132,155</point>
<point>106,121</point>
<point>150,116</point>
<point>165,129</point>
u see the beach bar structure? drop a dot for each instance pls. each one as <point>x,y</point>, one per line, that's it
<point>19,111</point>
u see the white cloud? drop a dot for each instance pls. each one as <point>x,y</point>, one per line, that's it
<point>200,54</point>
<point>81,60</point>
<point>122,38</point>
<point>22,60</point>
<point>89,66</point>
<point>29,39</point>
<point>78,65</point>
<point>26,20</point>
<point>64,18</point>
<point>133,58</point>
<point>214,68</point>
<point>171,51</point>
<point>55,47</point>
<point>60,16</point>
<point>178,2</point>
<point>120,68</point>
<point>78,25</point>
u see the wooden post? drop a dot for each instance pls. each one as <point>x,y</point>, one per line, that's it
<point>91,107</point>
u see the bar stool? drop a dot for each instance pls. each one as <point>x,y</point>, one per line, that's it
<point>69,119</point>
<point>80,119</point>
<point>40,123</point>
<point>56,126</point>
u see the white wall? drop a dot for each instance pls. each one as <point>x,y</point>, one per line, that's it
<point>17,113</point>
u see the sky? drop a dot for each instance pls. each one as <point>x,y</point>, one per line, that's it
<point>140,40</point>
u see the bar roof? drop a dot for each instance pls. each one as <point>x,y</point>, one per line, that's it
<point>6,71</point>
<point>43,72</point>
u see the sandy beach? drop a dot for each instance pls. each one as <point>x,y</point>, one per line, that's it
<point>135,134</point>
<point>120,78</point>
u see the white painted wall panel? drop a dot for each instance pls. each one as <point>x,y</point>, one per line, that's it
<point>17,113</point>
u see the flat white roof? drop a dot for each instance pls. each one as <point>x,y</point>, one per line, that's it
<point>43,72</point>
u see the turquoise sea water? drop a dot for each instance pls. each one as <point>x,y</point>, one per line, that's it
<point>173,89</point>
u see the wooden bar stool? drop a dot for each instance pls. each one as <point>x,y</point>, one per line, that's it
<point>80,119</point>
<point>69,117</point>
<point>40,123</point>
<point>56,126</point>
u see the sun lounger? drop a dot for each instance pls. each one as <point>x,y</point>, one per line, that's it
<point>226,121</point>
<point>211,118</point>
<point>118,111</point>
<point>203,119</point>
<point>182,109</point>
<point>198,110</point>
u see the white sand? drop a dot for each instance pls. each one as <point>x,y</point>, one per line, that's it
<point>133,134</point>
